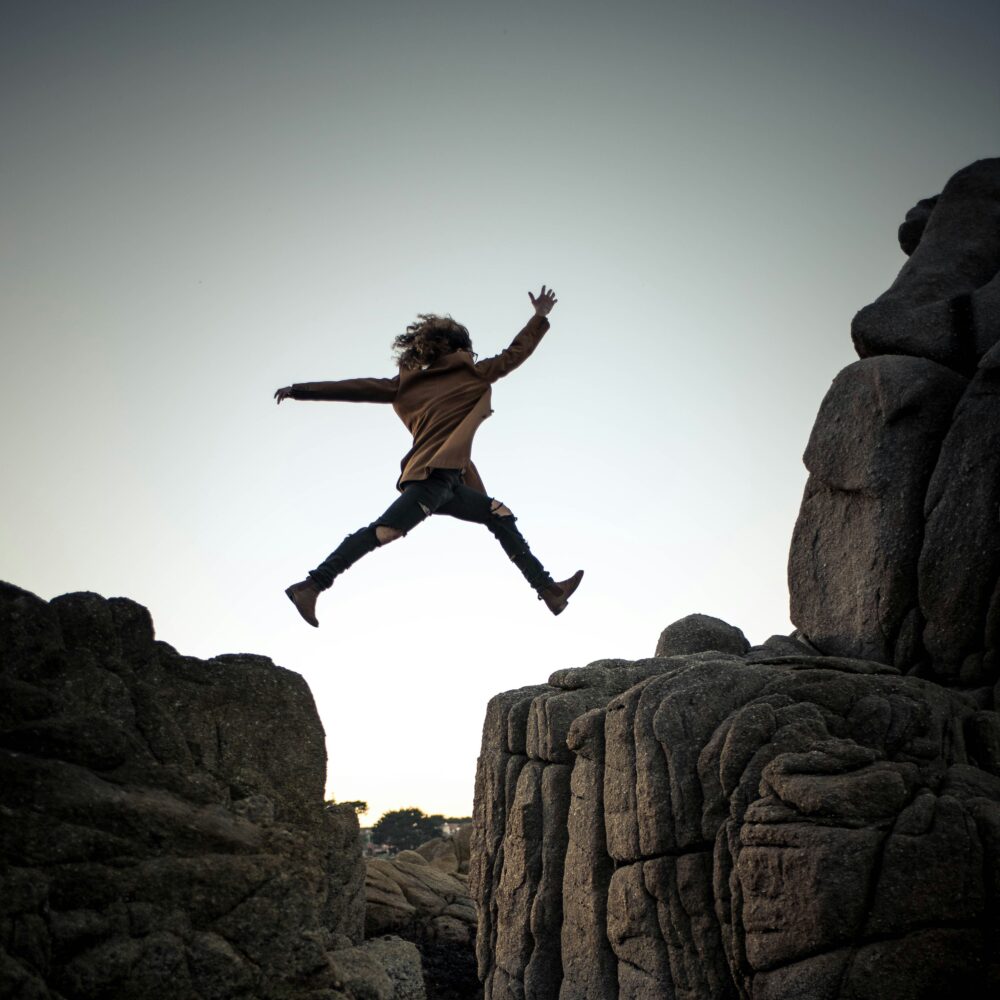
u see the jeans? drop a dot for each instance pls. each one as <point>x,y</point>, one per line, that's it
<point>443,492</point>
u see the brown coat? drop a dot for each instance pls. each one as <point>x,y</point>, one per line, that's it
<point>442,405</point>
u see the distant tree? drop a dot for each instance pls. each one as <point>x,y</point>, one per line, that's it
<point>356,806</point>
<point>406,829</point>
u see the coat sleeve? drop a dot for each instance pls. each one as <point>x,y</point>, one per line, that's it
<point>523,344</point>
<point>349,390</point>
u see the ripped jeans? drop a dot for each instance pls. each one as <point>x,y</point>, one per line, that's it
<point>443,492</point>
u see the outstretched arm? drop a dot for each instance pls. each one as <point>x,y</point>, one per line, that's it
<point>348,390</point>
<point>525,342</point>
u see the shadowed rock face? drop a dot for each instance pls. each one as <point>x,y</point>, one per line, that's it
<point>853,564</point>
<point>896,552</point>
<point>945,303</point>
<point>817,817</point>
<point>422,896</point>
<point>162,822</point>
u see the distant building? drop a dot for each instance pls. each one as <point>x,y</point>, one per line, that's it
<point>370,849</point>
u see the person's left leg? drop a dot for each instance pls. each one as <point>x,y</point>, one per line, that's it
<point>470,505</point>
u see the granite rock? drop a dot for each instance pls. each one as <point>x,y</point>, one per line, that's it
<point>699,634</point>
<point>945,303</point>
<point>853,562</point>
<point>726,821</point>
<point>162,821</point>
<point>420,902</point>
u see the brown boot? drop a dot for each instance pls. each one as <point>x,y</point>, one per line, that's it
<point>303,595</point>
<point>557,596</point>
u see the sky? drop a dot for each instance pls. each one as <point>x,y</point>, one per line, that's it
<point>202,202</point>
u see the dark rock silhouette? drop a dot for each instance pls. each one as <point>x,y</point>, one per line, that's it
<point>896,553</point>
<point>945,303</point>
<point>818,816</point>
<point>162,822</point>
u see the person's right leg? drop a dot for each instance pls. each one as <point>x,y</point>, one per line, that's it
<point>418,499</point>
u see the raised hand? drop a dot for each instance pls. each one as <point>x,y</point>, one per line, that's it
<point>545,301</point>
<point>285,393</point>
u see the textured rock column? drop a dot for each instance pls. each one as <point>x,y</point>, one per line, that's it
<point>589,964</point>
<point>960,558</point>
<point>501,759</point>
<point>521,834</point>
<point>852,567</point>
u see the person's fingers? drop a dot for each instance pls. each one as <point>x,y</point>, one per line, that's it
<point>534,301</point>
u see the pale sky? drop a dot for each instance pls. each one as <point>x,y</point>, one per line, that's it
<point>205,201</point>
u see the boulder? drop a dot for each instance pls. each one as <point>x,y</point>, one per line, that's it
<point>699,634</point>
<point>384,968</point>
<point>945,303</point>
<point>419,902</point>
<point>449,854</point>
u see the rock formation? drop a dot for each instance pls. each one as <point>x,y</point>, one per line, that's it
<point>450,853</point>
<point>162,823</point>
<point>819,816</point>
<point>423,897</point>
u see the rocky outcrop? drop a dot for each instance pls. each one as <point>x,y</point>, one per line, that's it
<point>422,897</point>
<point>945,303</point>
<point>756,826</point>
<point>162,823</point>
<point>896,552</point>
<point>818,816</point>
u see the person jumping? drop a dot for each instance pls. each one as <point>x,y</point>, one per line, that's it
<point>442,394</point>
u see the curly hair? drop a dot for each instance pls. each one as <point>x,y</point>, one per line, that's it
<point>428,338</point>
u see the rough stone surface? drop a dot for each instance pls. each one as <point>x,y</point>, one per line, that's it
<point>383,968</point>
<point>700,634</point>
<point>162,820</point>
<point>411,897</point>
<point>856,547</point>
<point>731,827</point>
<point>959,570</point>
<point>945,303</point>
<point>896,553</point>
<point>911,229</point>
